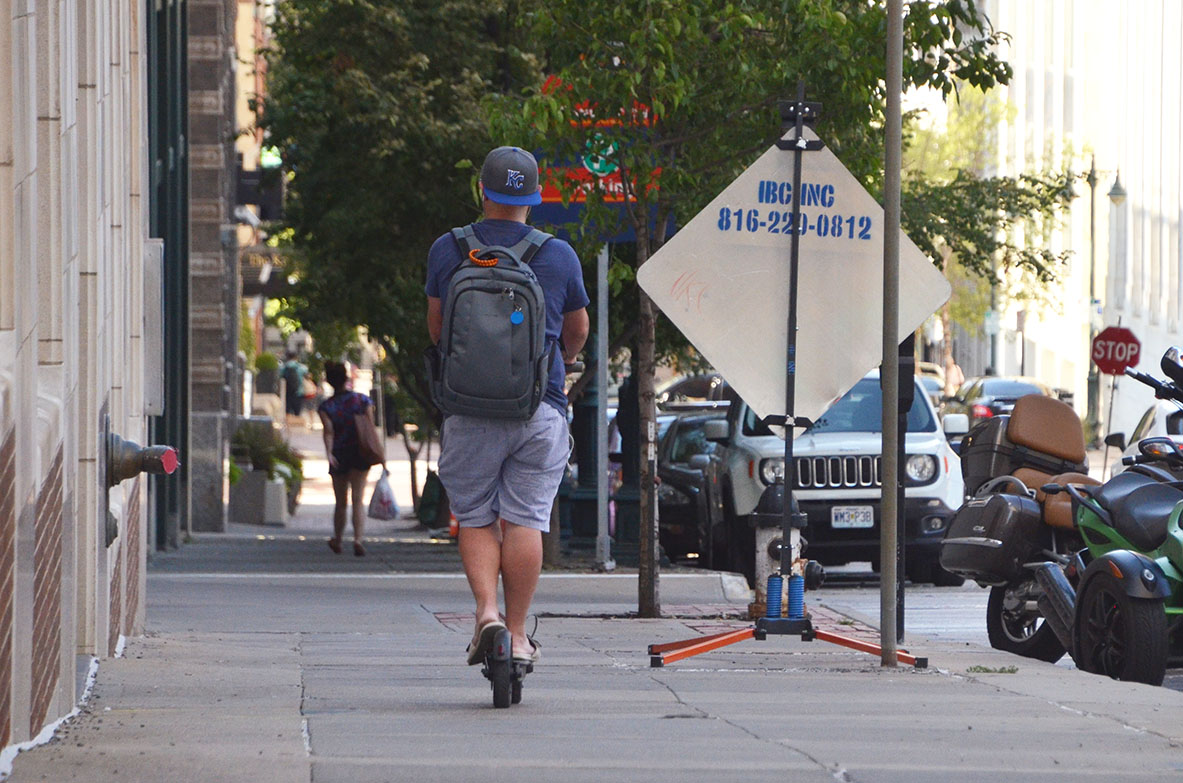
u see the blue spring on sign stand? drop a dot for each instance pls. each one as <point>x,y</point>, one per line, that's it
<point>775,585</point>
<point>796,597</point>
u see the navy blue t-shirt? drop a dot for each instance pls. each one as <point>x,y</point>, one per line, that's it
<point>555,265</point>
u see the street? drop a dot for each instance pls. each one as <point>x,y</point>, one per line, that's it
<point>954,614</point>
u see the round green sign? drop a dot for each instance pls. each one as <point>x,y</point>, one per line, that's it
<point>599,155</point>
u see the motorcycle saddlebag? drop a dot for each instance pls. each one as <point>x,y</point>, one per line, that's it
<point>991,537</point>
<point>987,452</point>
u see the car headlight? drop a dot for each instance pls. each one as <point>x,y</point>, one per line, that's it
<point>772,470</point>
<point>920,468</point>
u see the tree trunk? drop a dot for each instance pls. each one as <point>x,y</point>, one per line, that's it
<point>947,361</point>
<point>648,597</point>
<point>414,457</point>
<point>552,551</point>
<point>953,378</point>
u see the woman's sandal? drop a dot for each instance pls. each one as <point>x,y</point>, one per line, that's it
<point>358,549</point>
<point>335,545</point>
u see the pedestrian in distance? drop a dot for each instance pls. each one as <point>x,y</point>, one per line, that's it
<point>293,373</point>
<point>347,468</point>
<point>502,474</point>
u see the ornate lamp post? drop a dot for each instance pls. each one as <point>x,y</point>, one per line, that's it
<point>1117,196</point>
<point>1094,380</point>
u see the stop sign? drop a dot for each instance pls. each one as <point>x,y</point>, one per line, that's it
<point>1114,349</point>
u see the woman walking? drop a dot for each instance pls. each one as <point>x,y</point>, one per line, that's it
<point>346,466</point>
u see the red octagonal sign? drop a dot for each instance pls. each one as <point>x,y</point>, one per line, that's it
<point>1115,349</point>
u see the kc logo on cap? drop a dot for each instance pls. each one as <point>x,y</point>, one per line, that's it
<point>510,176</point>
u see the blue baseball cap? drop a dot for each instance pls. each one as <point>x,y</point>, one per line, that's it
<point>510,176</point>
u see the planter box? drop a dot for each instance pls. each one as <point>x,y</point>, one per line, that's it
<point>257,500</point>
<point>275,502</point>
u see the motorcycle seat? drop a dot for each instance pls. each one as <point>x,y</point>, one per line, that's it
<point>1141,515</point>
<point>1057,509</point>
<point>1117,488</point>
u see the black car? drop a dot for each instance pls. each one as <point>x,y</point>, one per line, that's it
<point>685,494</point>
<point>981,398</point>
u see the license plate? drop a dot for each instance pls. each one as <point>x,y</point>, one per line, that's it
<point>852,516</point>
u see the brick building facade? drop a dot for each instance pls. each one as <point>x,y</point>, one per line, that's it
<point>74,230</point>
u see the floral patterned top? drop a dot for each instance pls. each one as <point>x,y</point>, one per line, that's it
<point>340,410</point>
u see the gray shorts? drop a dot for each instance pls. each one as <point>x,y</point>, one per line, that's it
<point>498,468</point>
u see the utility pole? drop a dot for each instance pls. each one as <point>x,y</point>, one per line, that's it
<point>890,372</point>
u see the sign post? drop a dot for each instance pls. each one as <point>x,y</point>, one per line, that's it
<point>723,281</point>
<point>1113,350</point>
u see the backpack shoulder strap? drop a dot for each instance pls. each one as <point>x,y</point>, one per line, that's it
<point>467,239</point>
<point>528,245</point>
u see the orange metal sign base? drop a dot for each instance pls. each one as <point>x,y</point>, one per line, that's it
<point>668,652</point>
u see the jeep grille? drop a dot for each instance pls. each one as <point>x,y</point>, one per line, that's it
<point>838,472</point>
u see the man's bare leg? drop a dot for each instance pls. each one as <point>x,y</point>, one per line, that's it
<point>480,551</point>
<point>521,563</point>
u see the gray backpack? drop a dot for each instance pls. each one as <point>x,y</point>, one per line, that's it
<point>493,359</point>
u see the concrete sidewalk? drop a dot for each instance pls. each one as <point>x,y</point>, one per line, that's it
<point>360,677</point>
<point>269,658</point>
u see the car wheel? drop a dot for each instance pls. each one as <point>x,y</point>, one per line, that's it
<point>740,541</point>
<point>943,578</point>
<point>929,570</point>
<point>743,549</point>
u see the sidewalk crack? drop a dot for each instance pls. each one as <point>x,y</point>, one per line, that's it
<point>305,729</point>
<point>837,772</point>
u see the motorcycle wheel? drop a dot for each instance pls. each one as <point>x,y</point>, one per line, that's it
<point>1014,628</point>
<point>1122,637</point>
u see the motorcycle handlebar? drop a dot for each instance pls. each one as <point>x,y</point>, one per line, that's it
<point>1162,390</point>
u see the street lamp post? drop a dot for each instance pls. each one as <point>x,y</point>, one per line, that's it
<point>1094,380</point>
<point>1117,196</point>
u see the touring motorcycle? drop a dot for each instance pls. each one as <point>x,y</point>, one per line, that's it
<point>1072,564</point>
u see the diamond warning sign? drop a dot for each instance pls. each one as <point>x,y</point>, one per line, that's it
<point>724,281</point>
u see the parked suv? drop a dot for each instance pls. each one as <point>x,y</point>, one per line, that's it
<point>838,475</point>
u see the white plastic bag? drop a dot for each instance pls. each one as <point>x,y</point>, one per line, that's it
<point>382,503</point>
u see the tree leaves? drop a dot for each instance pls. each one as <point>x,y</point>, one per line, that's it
<point>372,104</point>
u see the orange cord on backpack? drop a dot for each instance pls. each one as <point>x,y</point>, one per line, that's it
<point>472,256</point>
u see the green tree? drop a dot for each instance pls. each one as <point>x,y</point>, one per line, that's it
<point>373,105</point>
<point>985,232</point>
<point>685,94</point>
